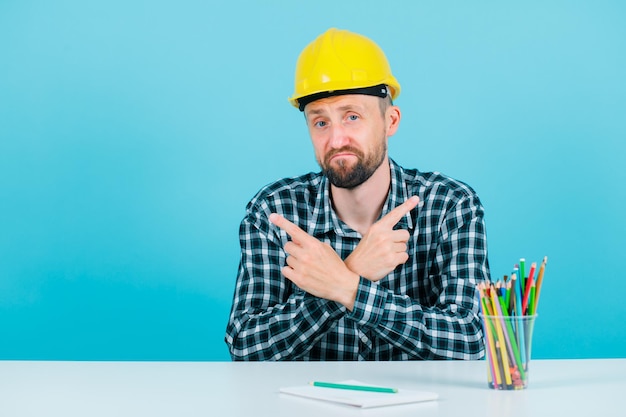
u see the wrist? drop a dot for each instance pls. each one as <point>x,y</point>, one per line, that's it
<point>348,291</point>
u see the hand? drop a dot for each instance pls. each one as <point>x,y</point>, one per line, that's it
<point>315,267</point>
<point>382,249</point>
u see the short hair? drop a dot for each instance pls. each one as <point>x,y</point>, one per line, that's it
<point>385,103</point>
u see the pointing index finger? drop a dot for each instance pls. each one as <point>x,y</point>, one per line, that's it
<point>394,216</point>
<point>297,234</point>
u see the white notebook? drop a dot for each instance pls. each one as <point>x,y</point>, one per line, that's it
<point>362,399</point>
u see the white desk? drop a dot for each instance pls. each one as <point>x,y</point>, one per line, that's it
<point>90,389</point>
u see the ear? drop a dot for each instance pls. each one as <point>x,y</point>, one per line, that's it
<point>392,118</point>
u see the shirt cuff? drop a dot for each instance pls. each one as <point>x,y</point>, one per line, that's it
<point>369,304</point>
<point>320,307</point>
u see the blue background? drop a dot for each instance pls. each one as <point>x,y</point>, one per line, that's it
<point>133,133</point>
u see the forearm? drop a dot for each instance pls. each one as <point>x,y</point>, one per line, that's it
<point>446,330</point>
<point>285,331</point>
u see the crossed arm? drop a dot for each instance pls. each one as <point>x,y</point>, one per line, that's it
<point>316,268</point>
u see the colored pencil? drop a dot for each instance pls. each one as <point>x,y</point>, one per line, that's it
<point>522,271</point>
<point>532,298</point>
<point>354,387</point>
<point>495,377</point>
<point>542,269</point>
<point>519,313</point>
<point>529,283</point>
<point>501,342</point>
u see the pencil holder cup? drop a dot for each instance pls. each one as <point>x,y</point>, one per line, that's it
<point>508,342</point>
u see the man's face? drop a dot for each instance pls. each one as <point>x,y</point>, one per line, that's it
<point>349,137</point>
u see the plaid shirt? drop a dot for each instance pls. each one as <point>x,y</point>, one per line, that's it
<point>427,308</point>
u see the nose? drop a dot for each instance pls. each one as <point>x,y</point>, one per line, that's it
<point>337,136</point>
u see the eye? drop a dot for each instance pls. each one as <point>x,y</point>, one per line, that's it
<point>353,117</point>
<point>320,123</point>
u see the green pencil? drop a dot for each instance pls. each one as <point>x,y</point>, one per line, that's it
<point>531,303</point>
<point>354,387</point>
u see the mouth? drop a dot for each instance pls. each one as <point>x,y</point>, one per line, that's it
<point>342,159</point>
<point>341,155</point>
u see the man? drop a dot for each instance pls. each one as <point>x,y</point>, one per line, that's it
<point>365,260</point>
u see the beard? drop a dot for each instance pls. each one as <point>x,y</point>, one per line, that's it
<point>345,175</point>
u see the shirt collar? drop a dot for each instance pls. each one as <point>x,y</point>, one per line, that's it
<point>324,219</point>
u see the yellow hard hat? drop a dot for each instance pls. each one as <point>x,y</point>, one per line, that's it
<point>342,62</point>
